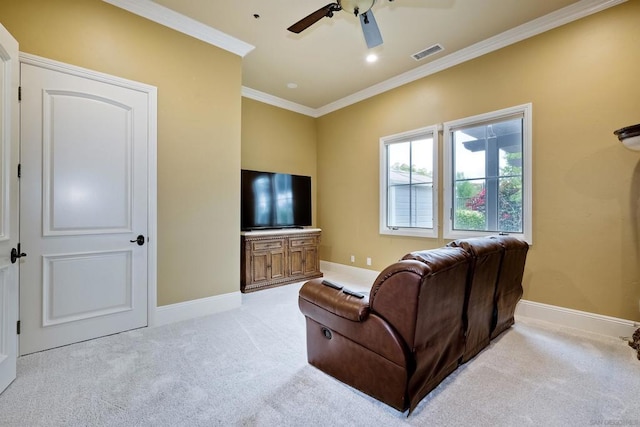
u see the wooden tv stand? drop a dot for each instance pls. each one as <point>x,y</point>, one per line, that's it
<point>278,257</point>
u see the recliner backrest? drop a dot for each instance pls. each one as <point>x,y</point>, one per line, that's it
<point>486,260</point>
<point>422,295</point>
<point>509,287</point>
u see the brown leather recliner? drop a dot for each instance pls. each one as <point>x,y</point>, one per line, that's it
<point>401,341</point>
<point>425,314</point>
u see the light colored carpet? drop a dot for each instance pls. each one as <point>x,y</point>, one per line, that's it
<point>247,367</point>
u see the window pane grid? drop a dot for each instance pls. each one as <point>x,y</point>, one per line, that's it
<point>409,184</point>
<point>487,176</point>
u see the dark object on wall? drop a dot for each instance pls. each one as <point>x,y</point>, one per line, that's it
<point>629,136</point>
<point>274,200</point>
<point>635,342</point>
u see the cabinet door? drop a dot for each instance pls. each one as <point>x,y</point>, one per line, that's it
<point>267,260</point>
<point>310,261</point>
<point>267,265</point>
<point>277,264</point>
<point>303,255</point>
<point>296,258</point>
<point>259,266</point>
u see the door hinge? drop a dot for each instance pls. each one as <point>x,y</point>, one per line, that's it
<point>18,327</point>
<point>19,170</point>
<point>19,93</point>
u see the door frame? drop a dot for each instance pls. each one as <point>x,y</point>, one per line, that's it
<point>9,205</point>
<point>152,160</point>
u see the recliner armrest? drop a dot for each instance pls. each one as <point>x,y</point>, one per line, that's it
<point>336,301</point>
<point>349,317</point>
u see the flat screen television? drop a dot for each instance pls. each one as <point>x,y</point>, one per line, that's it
<point>274,200</point>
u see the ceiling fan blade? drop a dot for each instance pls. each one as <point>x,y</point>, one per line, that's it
<point>370,29</point>
<point>311,19</point>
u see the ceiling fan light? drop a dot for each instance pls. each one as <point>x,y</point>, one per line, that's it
<point>362,6</point>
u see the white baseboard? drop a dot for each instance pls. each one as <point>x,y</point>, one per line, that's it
<point>357,273</point>
<point>559,316</point>
<point>196,308</point>
<point>576,319</point>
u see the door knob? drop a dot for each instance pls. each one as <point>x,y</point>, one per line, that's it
<point>139,240</point>
<point>15,254</point>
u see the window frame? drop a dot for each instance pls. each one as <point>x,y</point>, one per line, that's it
<point>524,110</point>
<point>432,232</point>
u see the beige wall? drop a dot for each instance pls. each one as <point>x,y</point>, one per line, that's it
<point>583,82</point>
<point>199,112</point>
<point>278,140</point>
<point>581,79</point>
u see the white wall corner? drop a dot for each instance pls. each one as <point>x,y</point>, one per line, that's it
<point>196,308</point>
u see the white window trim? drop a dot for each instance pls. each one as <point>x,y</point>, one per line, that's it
<point>408,231</point>
<point>527,193</point>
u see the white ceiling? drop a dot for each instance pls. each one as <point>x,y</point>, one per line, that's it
<point>327,61</point>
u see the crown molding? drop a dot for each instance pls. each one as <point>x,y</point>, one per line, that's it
<point>540,25</point>
<point>165,16</point>
<point>176,21</point>
<point>278,102</point>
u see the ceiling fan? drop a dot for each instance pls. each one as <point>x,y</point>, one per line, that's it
<point>360,8</point>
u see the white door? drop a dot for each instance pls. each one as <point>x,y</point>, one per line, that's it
<point>9,134</point>
<point>83,201</point>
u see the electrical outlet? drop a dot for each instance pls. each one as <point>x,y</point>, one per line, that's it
<point>353,258</point>
<point>368,261</point>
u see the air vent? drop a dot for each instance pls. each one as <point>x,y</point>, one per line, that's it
<point>428,51</point>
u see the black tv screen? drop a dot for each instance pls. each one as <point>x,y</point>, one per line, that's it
<point>274,200</point>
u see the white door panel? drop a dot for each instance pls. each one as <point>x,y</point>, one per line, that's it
<point>9,148</point>
<point>87,185</point>
<point>72,275</point>
<point>83,200</point>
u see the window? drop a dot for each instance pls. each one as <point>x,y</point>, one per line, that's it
<point>487,173</point>
<point>408,176</point>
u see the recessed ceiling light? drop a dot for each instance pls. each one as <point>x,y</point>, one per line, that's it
<point>372,57</point>
<point>292,85</point>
